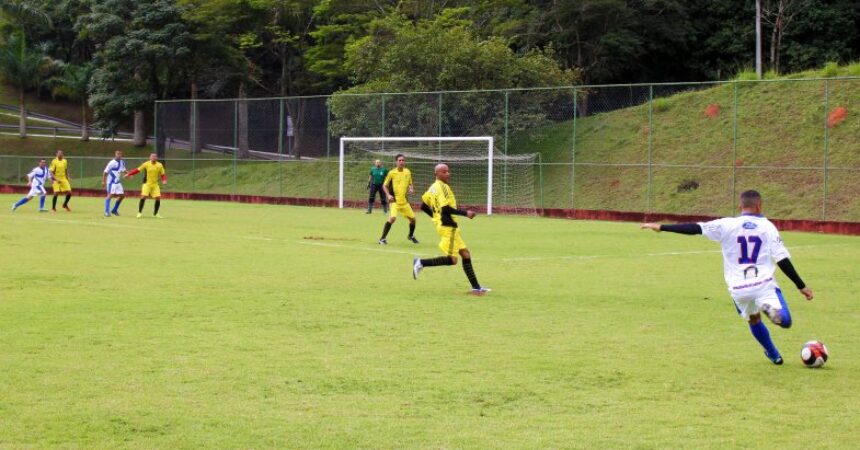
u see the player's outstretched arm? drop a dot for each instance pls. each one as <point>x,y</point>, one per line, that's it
<point>788,269</point>
<point>681,228</point>
<point>427,209</point>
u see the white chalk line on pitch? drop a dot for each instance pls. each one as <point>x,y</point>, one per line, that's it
<point>392,251</point>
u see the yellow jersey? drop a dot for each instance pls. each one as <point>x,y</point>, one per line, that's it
<point>151,172</point>
<point>59,168</point>
<point>399,181</point>
<point>438,196</point>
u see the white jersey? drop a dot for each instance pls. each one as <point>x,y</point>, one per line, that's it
<point>114,171</point>
<point>38,176</point>
<point>751,244</point>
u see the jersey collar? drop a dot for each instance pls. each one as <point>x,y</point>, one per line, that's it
<point>751,214</point>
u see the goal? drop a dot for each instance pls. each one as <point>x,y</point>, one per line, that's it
<point>481,176</point>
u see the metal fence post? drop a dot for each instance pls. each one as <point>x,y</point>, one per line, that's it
<point>280,148</point>
<point>193,145</point>
<point>573,154</point>
<point>826,149</point>
<point>650,135</point>
<point>505,176</point>
<point>734,145</point>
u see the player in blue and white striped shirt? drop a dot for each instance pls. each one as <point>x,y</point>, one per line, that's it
<point>36,180</point>
<point>112,181</point>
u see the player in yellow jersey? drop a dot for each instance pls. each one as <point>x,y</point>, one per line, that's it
<point>440,204</point>
<point>152,171</point>
<point>62,181</point>
<point>397,186</point>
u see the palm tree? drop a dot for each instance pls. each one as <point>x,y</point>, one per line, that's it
<point>74,84</point>
<point>23,12</point>
<point>22,67</point>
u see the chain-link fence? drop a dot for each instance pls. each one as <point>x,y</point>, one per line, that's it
<point>671,148</point>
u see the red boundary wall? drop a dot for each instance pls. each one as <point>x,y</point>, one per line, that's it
<point>816,226</point>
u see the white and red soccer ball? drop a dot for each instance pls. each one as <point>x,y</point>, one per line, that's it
<point>814,354</point>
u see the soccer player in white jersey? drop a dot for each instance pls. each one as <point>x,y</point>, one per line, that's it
<point>750,244</point>
<point>112,181</point>
<point>36,180</point>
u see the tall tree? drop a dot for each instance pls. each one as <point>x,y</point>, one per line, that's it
<point>21,65</point>
<point>779,14</point>
<point>73,83</point>
<point>144,42</point>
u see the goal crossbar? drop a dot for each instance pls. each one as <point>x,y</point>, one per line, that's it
<point>487,139</point>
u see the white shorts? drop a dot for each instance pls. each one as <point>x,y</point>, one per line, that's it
<point>750,301</point>
<point>37,191</point>
<point>115,189</point>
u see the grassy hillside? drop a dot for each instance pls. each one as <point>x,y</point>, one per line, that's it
<point>778,148</point>
<point>57,108</point>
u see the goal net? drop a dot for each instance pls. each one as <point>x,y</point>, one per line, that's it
<point>481,176</point>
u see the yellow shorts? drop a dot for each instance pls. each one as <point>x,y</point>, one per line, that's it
<point>405,210</point>
<point>450,241</point>
<point>61,186</point>
<point>150,190</point>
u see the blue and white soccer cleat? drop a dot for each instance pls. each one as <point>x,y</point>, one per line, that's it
<point>481,290</point>
<point>416,267</point>
<point>14,207</point>
<point>107,214</point>
<point>383,241</point>
<point>775,358</point>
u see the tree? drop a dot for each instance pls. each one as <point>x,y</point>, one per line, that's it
<point>779,14</point>
<point>74,83</point>
<point>145,45</point>
<point>22,66</point>
<point>442,53</point>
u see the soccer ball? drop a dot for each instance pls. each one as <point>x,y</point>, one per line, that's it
<point>814,354</point>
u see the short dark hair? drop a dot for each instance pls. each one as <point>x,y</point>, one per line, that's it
<point>750,198</point>
<point>399,155</point>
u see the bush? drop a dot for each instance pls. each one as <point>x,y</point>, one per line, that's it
<point>830,70</point>
<point>660,104</point>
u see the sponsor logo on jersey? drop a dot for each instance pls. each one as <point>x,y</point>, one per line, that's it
<point>749,226</point>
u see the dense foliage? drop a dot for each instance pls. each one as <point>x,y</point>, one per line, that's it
<point>139,51</point>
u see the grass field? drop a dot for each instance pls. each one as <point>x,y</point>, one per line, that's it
<point>253,326</point>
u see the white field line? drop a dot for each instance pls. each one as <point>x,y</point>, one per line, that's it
<point>364,248</point>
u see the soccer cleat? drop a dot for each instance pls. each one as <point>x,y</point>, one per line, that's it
<point>483,290</point>
<point>43,210</point>
<point>67,208</point>
<point>158,216</point>
<point>774,358</point>
<point>412,238</point>
<point>53,210</point>
<point>416,267</point>
<point>14,207</point>
<point>107,214</point>
<point>139,215</point>
<point>383,241</point>
<point>116,213</point>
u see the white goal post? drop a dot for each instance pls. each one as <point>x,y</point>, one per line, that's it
<point>484,142</point>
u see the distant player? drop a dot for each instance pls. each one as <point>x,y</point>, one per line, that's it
<point>440,204</point>
<point>374,184</point>
<point>36,180</point>
<point>112,181</point>
<point>751,244</point>
<point>397,186</point>
<point>152,171</point>
<point>62,181</point>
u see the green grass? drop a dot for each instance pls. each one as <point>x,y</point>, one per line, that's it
<point>224,326</point>
<point>57,108</point>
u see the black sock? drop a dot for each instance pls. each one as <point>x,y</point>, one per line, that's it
<point>386,229</point>
<point>470,273</point>
<point>439,261</point>
<point>140,206</point>
<point>66,203</point>
<point>412,229</point>
<point>157,205</point>
<point>54,202</point>
<point>116,205</point>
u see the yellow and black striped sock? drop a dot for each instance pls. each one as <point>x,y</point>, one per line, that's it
<point>470,273</point>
